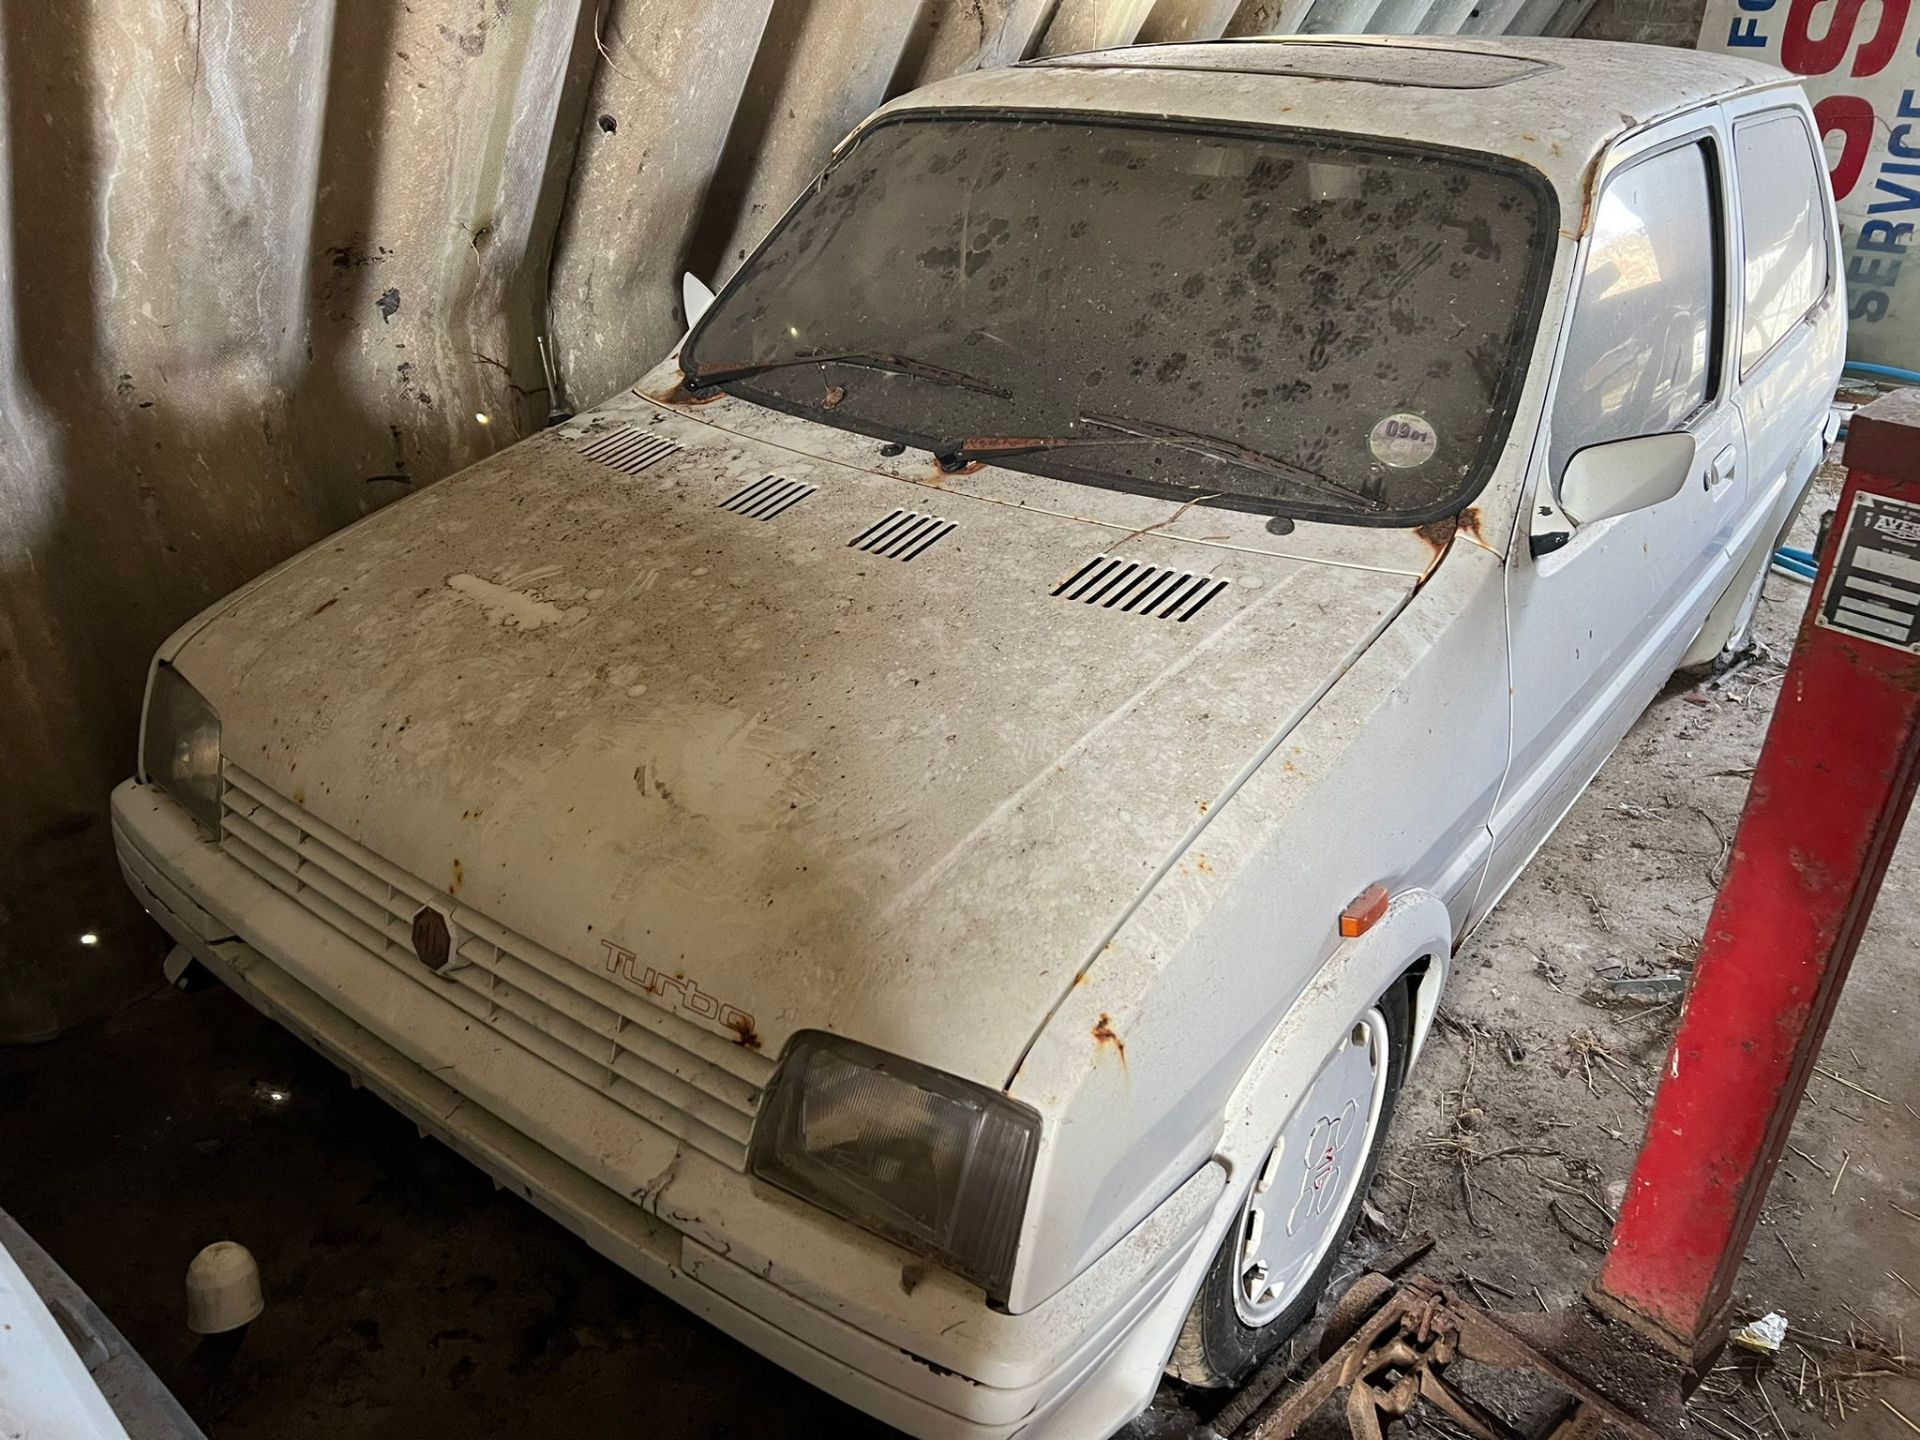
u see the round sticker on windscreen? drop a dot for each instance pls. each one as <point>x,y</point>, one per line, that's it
<point>1403,441</point>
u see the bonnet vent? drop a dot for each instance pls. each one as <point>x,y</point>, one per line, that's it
<point>1137,589</point>
<point>629,450</point>
<point>768,497</point>
<point>903,535</point>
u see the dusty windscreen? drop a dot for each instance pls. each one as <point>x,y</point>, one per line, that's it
<point>1303,325</point>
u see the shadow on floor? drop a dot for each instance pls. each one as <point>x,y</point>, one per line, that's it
<point>405,1296</point>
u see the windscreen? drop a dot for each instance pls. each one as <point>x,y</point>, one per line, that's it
<point>1297,324</point>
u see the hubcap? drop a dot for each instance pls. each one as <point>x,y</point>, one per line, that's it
<point>1294,1211</point>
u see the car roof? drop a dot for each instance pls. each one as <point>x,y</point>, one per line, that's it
<point>1552,104</point>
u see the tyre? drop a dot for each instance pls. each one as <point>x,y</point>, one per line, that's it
<point>1274,1262</point>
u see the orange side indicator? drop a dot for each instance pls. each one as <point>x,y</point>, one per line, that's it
<point>1363,912</point>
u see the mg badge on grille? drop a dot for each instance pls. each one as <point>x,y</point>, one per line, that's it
<point>432,941</point>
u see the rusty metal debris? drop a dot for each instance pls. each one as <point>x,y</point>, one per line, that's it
<point>1388,1349</point>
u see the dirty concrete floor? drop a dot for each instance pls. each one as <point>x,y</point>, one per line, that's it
<point>408,1297</point>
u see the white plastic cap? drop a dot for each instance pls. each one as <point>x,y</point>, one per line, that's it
<point>223,1289</point>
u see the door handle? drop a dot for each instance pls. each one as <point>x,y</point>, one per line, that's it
<point>1721,468</point>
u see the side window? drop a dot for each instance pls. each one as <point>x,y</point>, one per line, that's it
<point>1641,346</point>
<point>1785,228</point>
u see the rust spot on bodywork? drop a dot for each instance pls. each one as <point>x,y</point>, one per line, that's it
<point>1105,1034</point>
<point>326,604</point>
<point>743,1032</point>
<point>1438,534</point>
<point>459,877</point>
<point>679,394</point>
<point>1589,192</point>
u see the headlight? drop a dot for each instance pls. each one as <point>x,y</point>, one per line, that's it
<point>934,1163</point>
<point>180,746</point>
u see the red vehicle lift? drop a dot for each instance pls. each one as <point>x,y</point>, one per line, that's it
<point>1829,797</point>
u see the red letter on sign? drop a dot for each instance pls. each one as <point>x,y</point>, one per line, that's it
<point>1853,118</point>
<point>1804,55</point>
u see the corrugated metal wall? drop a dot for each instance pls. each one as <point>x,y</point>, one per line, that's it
<point>263,263</point>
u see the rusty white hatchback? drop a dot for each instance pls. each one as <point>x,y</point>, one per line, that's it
<point>932,829</point>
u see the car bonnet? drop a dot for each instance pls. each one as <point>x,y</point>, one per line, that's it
<point>639,691</point>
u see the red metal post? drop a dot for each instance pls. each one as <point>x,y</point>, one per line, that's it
<point>1830,794</point>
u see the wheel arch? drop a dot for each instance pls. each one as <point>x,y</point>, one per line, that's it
<point>1413,941</point>
<point>1414,937</point>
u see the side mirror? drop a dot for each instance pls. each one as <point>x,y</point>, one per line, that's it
<point>695,297</point>
<point>1622,476</point>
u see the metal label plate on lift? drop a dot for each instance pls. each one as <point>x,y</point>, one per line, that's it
<point>1874,591</point>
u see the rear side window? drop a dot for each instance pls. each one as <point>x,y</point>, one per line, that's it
<point>1640,349</point>
<point>1785,228</point>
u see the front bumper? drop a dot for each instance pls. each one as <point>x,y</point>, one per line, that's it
<point>821,1298</point>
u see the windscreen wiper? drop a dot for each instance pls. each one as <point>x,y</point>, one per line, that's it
<point>1148,432</point>
<point>705,377</point>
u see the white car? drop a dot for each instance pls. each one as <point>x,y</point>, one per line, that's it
<point>932,829</point>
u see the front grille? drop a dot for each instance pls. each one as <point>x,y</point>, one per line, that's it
<point>667,1070</point>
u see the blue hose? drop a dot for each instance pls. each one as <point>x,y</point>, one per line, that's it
<point>1794,567</point>
<point>1885,372</point>
<point>1805,557</point>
